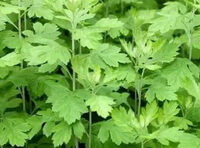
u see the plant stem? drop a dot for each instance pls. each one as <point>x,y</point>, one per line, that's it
<point>182,111</point>
<point>67,71</point>
<point>107,8</point>
<point>190,37</point>
<point>90,129</point>
<point>73,73</point>
<point>122,7</point>
<point>135,93</point>
<point>22,65</point>
<point>80,48</point>
<point>73,55</point>
<point>25,21</point>
<point>107,12</point>
<point>140,93</point>
<point>142,144</point>
<point>139,101</point>
<point>25,28</point>
<point>190,44</point>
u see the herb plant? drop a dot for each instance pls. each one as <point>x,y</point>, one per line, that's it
<point>100,73</point>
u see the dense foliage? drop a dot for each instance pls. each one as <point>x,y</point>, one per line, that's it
<point>100,73</point>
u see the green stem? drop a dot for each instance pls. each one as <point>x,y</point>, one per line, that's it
<point>90,129</point>
<point>1,120</point>
<point>122,7</point>
<point>80,48</point>
<point>22,65</point>
<point>140,93</point>
<point>25,21</point>
<point>76,143</point>
<point>190,44</point>
<point>107,8</point>
<point>107,12</point>
<point>142,144</point>
<point>135,100</point>
<point>182,111</point>
<point>25,28</point>
<point>73,55</point>
<point>73,73</point>
<point>190,37</point>
<point>67,71</point>
<point>139,101</point>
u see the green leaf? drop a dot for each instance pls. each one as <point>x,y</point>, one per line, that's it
<point>51,54</point>
<point>58,95</point>
<point>47,68</point>
<point>42,33</point>
<point>167,114</point>
<point>149,113</point>
<point>161,91</point>
<point>7,8</point>
<point>47,129</point>
<point>101,104</point>
<point>117,134</point>
<point>107,24</point>
<point>121,73</point>
<point>48,50</point>
<point>36,124</point>
<point>174,14</point>
<point>8,98</point>
<point>125,119</point>
<point>89,37</point>
<point>2,24</point>
<point>62,134</point>
<point>77,16</point>
<point>40,9</point>
<point>182,123</point>
<point>182,73</point>
<point>4,72</point>
<point>120,98</point>
<point>165,53</point>
<point>106,51</point>
<point>78,129</point>
<point>10,59</point>
<point>13,130</point>
<point>175,135</point>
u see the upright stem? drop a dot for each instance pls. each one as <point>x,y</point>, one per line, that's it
<point>139,100</point>
<point>73,55</point>
<point>190,45</point>
<point>107,8</point>
<point>190,37</point>
<point>140,93</point>
<point>122,7</point>
<point>135,93</point>
<point>25,21</point>
<point>73,73</point>
<point>107,12</point>
<point>90,128</point>
<point>142,144</point>
<point>22,65</point>
<point>80,48</point>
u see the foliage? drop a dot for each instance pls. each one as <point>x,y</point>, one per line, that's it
<point>100,73</point>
